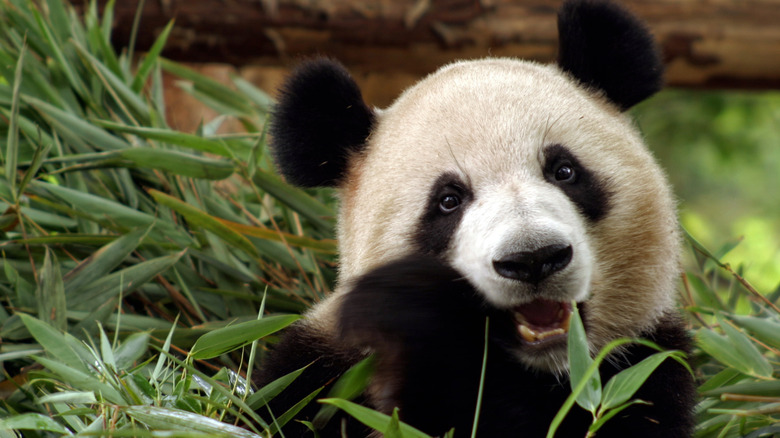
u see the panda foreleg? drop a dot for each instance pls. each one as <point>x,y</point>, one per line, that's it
<point>426,327</point>
<point>303,345</point>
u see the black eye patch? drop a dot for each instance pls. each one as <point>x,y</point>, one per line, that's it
<point>447,200</point>
<point>562,169</point>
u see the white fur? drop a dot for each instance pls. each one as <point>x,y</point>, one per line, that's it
<point>488,121</point>
<point>513,214</point>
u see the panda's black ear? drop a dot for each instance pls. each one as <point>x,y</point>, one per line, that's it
<point>319,119</point>
<point>606,47</point>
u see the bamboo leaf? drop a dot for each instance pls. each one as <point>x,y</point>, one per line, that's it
<point>108,19</point>
<point>76,239</point>
<point>100,40</point>
<point>104,260</point>
<point>723,349</point>
<point>12,143</point>
<point>33,421</point>
<point>62,62</point>
<point>87,397</point>
<point>113,212</point>
<point>171,161</point>
<point>58,18</point>
<point>707,296</point>
<point>263,395</point>
<point>53,342</point>
<point>123,94</point>
<point>97,137</point>
<point>30,129</point>
<point>394,428</point>
<point>157,94</point>
<point>350,385</point>
<point>166,419</point>
<point>328,246</point>
<point>298,200</point>
<point>201,219</point>
<point>179,163</point>
<point>762,388</point>
<point>701,248</point>
<point>90,322</point>
<point>124,281</point>
<point>209,87</point>
<point>50,293</point>
<point>596,425</point>
<point>259,97</point>
<point>765,329</point>
<point>579,362</point>
<point>226,339</point>
<point>718,347</point>
<point>727,376</point>
<point>371,418</point>
<point>747,351</point>
<point>81,380</point>
<point>169,136</point>
<point>35,164</point>
<point>158,367</point>
<point>151,59</point>
<point>290,414</point>
<point>106,352</point>
<point>46,219</point>
<point>592,369</point>
<point>622,386</point>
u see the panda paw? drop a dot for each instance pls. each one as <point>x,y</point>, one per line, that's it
<point>414,302</point>
<point>425,325</point>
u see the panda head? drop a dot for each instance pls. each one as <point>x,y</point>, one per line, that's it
<point>528,179</point>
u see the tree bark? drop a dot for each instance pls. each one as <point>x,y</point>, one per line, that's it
<point>706,43</point>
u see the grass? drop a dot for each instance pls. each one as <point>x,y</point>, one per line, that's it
<point>144,268</point>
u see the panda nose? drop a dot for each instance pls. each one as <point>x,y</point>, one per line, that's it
<point>534,266</point>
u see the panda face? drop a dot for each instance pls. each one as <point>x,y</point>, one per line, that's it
<point>521,239</point>
<point>536,190</point>
<point>515,238</point>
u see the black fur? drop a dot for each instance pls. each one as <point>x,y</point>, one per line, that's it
<point>435,229</point>
<point>319,120</point>
<point>300,346</point>
<point>604,46</point>
<point>585,190</point>
<point>426,325</point>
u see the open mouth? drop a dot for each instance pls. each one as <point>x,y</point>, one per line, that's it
<point>542,321</point>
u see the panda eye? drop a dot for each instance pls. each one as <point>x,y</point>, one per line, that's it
<point>449,203</point>
<point>565,173</point>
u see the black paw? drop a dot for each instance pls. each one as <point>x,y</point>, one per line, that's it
<point>414,302</point>
<point>425,324</point>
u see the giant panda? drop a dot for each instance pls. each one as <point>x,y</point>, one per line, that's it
<point>488,198</point>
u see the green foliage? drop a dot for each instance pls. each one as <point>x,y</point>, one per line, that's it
<point>604,403</point>
<point>126,243</point>
<point>144,268</point>
<point>737,330</point>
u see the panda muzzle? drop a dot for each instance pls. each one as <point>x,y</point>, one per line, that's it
<point>542,320</point>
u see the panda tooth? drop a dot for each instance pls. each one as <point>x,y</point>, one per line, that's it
<point>547,334</point>
<point>528,334</point>
<point>565,323</point>
<point>519,317</point>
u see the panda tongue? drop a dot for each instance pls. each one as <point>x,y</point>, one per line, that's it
<point>542,318</point>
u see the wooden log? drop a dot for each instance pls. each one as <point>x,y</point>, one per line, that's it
<point>706,43</point>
